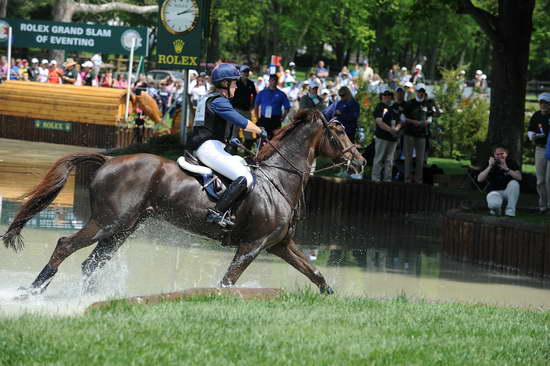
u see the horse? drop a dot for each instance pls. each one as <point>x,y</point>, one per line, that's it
<point>130,188</point>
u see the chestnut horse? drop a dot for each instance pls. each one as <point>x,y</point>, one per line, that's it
<point>127,189</point>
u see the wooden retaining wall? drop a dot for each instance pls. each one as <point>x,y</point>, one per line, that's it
<point>366,198</point>
<point>498,243</point>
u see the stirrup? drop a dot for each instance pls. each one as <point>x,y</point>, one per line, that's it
<point>218,218</point>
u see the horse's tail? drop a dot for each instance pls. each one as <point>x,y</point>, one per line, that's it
<point>43,194</point>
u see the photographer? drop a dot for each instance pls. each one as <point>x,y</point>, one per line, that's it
<point>503,175</point>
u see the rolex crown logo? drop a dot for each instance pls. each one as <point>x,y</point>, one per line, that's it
<point>178,45</point>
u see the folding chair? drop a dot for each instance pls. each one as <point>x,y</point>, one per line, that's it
<point>470,178</point>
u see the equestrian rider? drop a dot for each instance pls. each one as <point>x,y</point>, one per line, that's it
<point>214,120</point>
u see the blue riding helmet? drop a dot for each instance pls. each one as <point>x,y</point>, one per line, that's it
<point>225,72</point>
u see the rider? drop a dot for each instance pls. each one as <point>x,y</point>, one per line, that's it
<point>214,120</point>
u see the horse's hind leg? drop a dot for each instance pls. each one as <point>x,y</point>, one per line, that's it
<point>65,247</point>
<point>101,254</point>
<point>288,251</point>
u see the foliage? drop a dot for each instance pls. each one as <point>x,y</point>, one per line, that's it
<point>463,121</point>
<point>302,328</point>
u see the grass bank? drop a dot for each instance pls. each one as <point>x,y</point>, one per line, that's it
<point>298,329</point>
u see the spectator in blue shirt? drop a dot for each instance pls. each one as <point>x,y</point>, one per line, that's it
<point>346,110</point>
<point>271,106</point>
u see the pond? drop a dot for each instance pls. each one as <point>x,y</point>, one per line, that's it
<point>383,257</point>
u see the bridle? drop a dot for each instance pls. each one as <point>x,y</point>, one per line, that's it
<point>333,140</point>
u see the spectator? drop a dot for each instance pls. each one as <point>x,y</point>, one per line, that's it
<point>54,74</point>
<point>354,72</point>
<point>417,77</point>
<point>70,76</point>
<point>325,97</point>
<point>243,100</point>
<point>3,67</point>
<point>98,63</point>
<point>503,175</point>
<point>321,72</point>
<point>405,76</point>
<point>387,126</point>
<point>272,106</point>
<point>418,115</point>
<point>312,99</point>
<point>43,71</point>
<point>367,73</point>
<point>34,70</point>
<point>346,110</point>
<point>409,91</point>
<point>292,68</point>
<point>259,84</point>
<point>343,78</point>
<point>477,79</point>
<point>120,82</point>
<point>106,80</point>
<point>199,90</point>
<point>141,85</point>
<point>164,97</point>
<point>88,76</point>
<point>23,68</point>
<point>394,76</point>
<point>539,125</point>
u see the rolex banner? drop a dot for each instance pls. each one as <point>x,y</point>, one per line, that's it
<point>180,32</point>
<point>74,36</point>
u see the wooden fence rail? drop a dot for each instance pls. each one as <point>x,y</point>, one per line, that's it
<point>498,243</point>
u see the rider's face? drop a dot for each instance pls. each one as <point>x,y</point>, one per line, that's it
<point>232,88</point>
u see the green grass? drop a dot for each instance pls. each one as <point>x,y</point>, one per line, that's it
<point>298,329</point>
<point>454,167</point>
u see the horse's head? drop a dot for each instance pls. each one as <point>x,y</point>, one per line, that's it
<point>336,145</point>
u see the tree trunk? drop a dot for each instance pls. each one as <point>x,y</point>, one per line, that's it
<point>3,8</point>
<point>510,36</point>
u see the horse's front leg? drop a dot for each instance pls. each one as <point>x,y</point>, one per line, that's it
<point>244,256</point>
<point>288,251</point>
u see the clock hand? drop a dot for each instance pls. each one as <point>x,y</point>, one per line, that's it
<point>184,12</point>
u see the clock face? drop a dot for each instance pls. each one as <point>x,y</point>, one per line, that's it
<point>179,16</point>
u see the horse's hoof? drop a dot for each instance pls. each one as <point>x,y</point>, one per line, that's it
<point>25,293</point>
<point>327,290</point>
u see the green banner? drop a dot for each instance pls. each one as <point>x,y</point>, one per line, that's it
<point>53,125</point>
<point>74,36</point>
<point>180,33</point>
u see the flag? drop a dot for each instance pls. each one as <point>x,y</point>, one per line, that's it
<point>276,60</point>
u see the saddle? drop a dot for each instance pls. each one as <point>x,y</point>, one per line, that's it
<point>212,183</point>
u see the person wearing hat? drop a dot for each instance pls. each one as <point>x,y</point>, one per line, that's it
<point>54,74</point>
<point>43,71</point>
<point>537,132</point>
<point>243,100</point>
<point>70,76</point>
<point>89,78</point>
<point>418,114</point>
<point>417,77</point>
<point>386,134</point>
<point>33,71</point>
<point>214,119</point>
<point>271,106</point>
<point>367,73</point>
<point>312,99</point>
<point>292,68</point>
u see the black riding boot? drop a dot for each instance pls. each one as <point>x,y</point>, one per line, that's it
<point>220,213</point>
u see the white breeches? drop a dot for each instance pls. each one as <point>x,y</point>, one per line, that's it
<point>213,155</point>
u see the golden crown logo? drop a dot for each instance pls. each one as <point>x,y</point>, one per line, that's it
<point>178,45</point>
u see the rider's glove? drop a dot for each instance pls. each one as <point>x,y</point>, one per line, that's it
<point>263,133</point>
<point>235,142</point>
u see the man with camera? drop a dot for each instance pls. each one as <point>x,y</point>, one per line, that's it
<point>503,175</point>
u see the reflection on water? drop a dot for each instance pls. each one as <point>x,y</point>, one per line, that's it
<point>374,257</point>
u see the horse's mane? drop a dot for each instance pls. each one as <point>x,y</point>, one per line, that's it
<point>301,117</point>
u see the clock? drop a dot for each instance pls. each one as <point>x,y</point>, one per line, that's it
<point>179,16</point>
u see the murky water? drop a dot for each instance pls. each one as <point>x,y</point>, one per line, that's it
<point>358,256</point>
